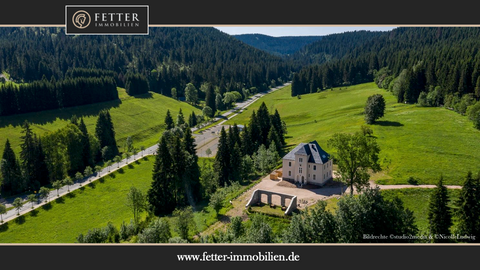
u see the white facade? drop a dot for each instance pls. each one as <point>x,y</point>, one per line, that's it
<point>299,168</point>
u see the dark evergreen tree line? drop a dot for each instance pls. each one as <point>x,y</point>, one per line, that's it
<point>48,95</point>
<point>176,175</point>
<point>443,57</point>
<point>234,146</point>
<point>168,57</point>
<point>136,84</point>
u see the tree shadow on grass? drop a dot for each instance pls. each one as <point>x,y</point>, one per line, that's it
<point>20,220</point>
<point>50,116</point>
<point>112,175</point>
<point>92,185</point>
<point>3,227</point>
<point>34,213</point>
<point>101,180</point>
<point>60,200</point>
<point>47,206</point>
<point>144,96</point>
<point>130,166</point>
<point>71,195</point>
<point>389,124</point>
<point>121,171</point>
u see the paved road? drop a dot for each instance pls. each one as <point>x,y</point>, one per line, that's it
<point>205,140</point>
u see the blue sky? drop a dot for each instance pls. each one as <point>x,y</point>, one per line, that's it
<point>278,31</point>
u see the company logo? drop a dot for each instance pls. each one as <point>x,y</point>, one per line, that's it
<point>81,19</point>
<point>106,20</point>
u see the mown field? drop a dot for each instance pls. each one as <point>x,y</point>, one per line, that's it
<point>417,199</point>
<point>415,141</point>
<point>91,206</point>
<point>141,117</point>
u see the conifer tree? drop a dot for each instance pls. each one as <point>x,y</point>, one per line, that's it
<point>180,119</point>
<point>192,120</point>
<point>273,137</point>
<point>439,214</point>
<point>105,133</point>
<point>468,204</point>
<point>210,98</point>
<point>160,194</point>
<point>87,157</point>
<point>13,182</point>
<point>263,120</point>
<point>34,168</point>
<point>235,163</point>
<point>246,142</point>
<point>191,176</point>
<point>222,159</point>
<point>178,167</point>
<point>254,132</point>
<point>276,122</point>
<point>168,120</point>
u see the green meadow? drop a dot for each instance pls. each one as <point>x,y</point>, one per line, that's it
<point>415,141</point>
<point>91,206</point>
<point>417,199</point>
<point>141,117</point>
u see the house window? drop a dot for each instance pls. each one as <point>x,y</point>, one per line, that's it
<point>289,164</point>
<point>300,159</point>
<point>323,176</point>
<point>289,173</point>
<point>314,167</point>
<point>314,176</point>
<point>299,170</point>
<point>308,175</point>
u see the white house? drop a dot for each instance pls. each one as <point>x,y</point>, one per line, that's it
<point>307,163</point>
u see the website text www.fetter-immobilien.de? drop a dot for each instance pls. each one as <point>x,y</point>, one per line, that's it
<point>260,257</point>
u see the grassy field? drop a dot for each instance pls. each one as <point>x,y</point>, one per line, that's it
<point>92,206</point>
<point>416,199</point>
<point>415,141</point>
<point>141,117</point>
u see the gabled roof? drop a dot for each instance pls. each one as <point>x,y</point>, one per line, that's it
<point>314,152</point>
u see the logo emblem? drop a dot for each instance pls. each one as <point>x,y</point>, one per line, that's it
<point>81,19</point>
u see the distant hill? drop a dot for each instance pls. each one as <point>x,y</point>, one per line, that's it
<point>277,45</point>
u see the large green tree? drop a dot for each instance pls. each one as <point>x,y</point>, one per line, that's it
<point>191,93</point>
<point>374,108</point>
<point>183,221</point>
<point>136,202</point>
<point>439,213</point>
<point>356,154</point>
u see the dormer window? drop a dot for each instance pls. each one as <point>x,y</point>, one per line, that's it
<point>300,159</point>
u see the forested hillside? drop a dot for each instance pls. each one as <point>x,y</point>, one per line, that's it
<point>421,59</point>
<point>277,45</point>
<point>167,58</point>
